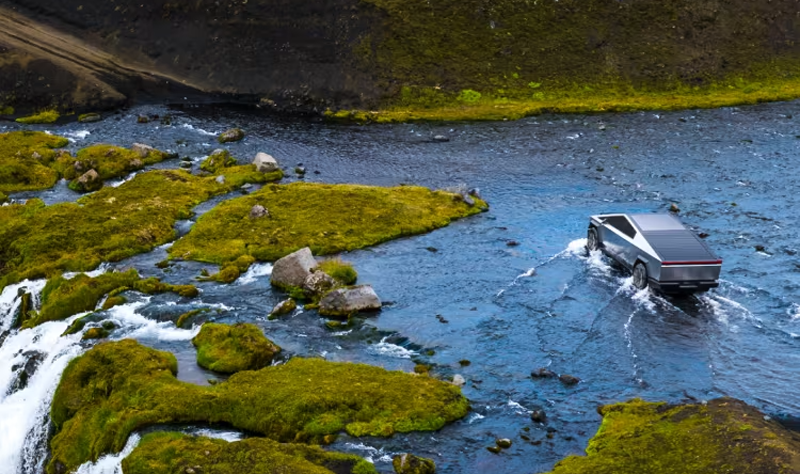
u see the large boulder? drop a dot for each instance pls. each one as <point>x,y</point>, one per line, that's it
<point>410,464</point>
<point>265,163</point>
<point>346,301</point>
<point>293,269</point>
<point>319,282</point>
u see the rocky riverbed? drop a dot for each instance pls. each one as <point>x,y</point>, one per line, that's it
<point>491,297</point>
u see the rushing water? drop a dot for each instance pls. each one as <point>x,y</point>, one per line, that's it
<point>508,309</point>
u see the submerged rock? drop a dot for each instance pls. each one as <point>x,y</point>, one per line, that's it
<point>284,307</point>
<point>265,163</point>
<point>543,373</point>
<point>538,416</point>
<point>568,379</point>
<point>346,301</point>
<point>89,118</point>
<point>410,464</point>
<point>232,135</point>
<point>293,269</point>
<point>503,443</point>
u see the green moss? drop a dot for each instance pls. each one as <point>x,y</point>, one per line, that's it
<point>6,110</point>
<point>185,317</point>
<point>112,301</point>
<point>343,272</point>
<point>25,158</point>
<point>217,160</point>
<point>230,349</point>
<point>62,298</point>
<point>45,116</point>
<point>109,161</point>
<point>3,198</point>
<point>168,453</point>
<point>95,333</point>
<point>230,271</point>
<point>637,437</point>
<point>118,387</point>
<point>327,218</point>
<point>109,225</point>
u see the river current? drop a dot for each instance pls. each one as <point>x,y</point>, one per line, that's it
<point>510,290</point>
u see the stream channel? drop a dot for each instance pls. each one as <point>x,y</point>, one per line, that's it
<point>467,292</point>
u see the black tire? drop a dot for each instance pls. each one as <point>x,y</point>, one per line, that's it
<point>592,240</point>
<point>640,276</point>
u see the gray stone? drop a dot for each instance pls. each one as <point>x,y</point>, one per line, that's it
<point>89,181</point>
<point>319,282</point>
<point>410,464</point>
<point>440,138</point>
<point>468,199</point>
<point>36,156</point>
<point>284,307</point>
<point>232,135</point>
<point>475,192</point>
<point>258,211</point>
<point>142,150</point>
<point>186,164</point>
<point>459,380</point>
<point>568,379</point>
<point>89,118</point>
<point>220,179</point>
<point>293,269</point>
<point>265,163</point>
<point>346,301</point>
<point>136,164</point>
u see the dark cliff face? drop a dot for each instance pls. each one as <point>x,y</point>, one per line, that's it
<point>357,53</point>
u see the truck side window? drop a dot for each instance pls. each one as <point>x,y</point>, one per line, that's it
<point>621,224</point>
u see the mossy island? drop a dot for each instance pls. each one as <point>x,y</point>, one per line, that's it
<point>229,349</point>
<point>119,387</point>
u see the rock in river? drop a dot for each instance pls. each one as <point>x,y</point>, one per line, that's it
<point>89,181</point>
<point>319,282</point>
<point>293,269</point>
<point>265,163</point>
<point>346,301</point>
<point>410,464</point>
<point>142,150</point>
<point>232,135</point>
<point>284,307</point>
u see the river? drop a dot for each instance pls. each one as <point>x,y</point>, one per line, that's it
<point>467,292</point>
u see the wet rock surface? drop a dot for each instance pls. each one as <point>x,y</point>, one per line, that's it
<point>293,269</point>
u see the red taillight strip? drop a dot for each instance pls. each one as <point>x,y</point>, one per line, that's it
<point>698,262</point>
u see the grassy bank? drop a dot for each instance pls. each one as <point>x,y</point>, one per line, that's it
<point>724,435</point>
<point>119,387</point>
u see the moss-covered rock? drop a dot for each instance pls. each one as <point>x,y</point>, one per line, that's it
<point>217,160</point>
<point>726,435</point>
<point>229,349</point>
<point>89,118</point>
<point>95,333</point>
<point>232,135</point>
<point>187,318</point>
<point>168,453</point>
<point>118,387</point>
<point>325,217</point>
<point>343,272</point>
<point>410,464</point>
<point>25,158</point>
<point>43,117</point>
<point>109,225</point>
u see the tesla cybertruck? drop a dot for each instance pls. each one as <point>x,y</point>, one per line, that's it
<point>658,249</point>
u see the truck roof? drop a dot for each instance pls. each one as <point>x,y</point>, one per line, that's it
<point>671,240</point>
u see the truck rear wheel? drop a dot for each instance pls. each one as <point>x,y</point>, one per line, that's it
<point>592,241</point>
<point>640,276</point>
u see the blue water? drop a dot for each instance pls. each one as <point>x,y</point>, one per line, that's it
<point>544,302</point>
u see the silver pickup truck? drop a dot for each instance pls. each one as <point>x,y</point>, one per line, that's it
<point>658,249</point>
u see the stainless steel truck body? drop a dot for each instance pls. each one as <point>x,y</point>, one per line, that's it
<point>658,249</point>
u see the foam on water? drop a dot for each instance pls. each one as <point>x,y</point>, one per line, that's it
<point>373,454</point>
<point>9,301</point>
<point>136,326</point>
<point>111,463</point>
<point>391,350</point>
<point>794,312</point>
<point>119,183</point>
<point>197,129</point>
<point>80,135</point>
<point>518,408</point>
<point>254,272</point>
<point>103,268</point>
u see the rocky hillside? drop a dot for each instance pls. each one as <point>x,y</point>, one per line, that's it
<point>288,54</point>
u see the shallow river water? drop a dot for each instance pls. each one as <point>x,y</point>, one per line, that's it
<point>509,309</point>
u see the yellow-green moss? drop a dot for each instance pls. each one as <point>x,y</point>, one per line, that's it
<point>168,453</point>
<point>229,349</point>
<point>218,160</point>
<point>112,301</point>
<point>343,272</point>
<point>25,158</point>
<point>639,437</point>
<point>3,198</point>
<point>328,218</point>
<point>45,116</point>
<point>6,110</point>
<point>109,225</point>
<point>118,387</point>
<point>95,333</point>
<point>62,298</point>
<point>183,318</point>
<point>230,271</point>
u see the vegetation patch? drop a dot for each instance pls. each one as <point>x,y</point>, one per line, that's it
<point>168,453</point>
<point>726,435</point>
<point>25,158</point>
<point>43,117</point>
<point>112,224</point>
<point>107,160</point>
<point>62,298</point>
<point>327,218</point>
<point>342,272</point>
<point>229,349</point>
<point>118,387</point>
<point>217,160</point>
